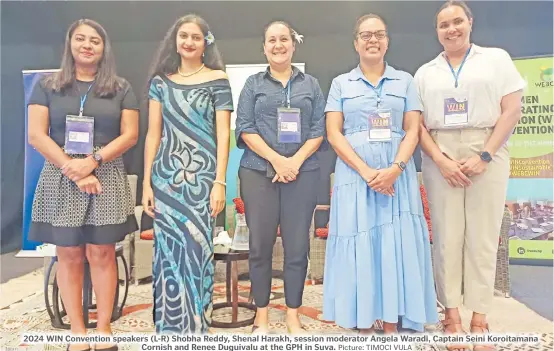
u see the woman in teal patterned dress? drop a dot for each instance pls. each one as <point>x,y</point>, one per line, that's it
<point>186,152</point>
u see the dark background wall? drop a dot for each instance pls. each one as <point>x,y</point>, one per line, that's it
<point>32,35</point>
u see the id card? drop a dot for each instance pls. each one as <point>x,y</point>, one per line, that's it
<point>456,110</point>
<point>288,127</point>
<point>79,134</point>
<point>379,125</point>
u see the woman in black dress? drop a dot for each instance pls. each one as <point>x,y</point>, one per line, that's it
<point>82,119</point>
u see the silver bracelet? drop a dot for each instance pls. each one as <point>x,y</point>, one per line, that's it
<point>220,182</point>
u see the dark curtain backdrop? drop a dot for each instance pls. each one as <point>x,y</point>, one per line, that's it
<point>32,35</point>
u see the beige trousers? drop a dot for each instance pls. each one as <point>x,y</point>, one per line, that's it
<point>466,221</point>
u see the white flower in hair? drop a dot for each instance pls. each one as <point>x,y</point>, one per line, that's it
<point>298,37</point>
<point>210,38</point>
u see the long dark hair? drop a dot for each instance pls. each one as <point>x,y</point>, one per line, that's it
<point>106,84</point>
<point>168,60</point>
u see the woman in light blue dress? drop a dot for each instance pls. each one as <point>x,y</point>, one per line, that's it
<point>378,261</point>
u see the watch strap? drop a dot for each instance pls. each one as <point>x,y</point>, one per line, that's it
<point>400,165</point>
<point>485,156</point>
<point>97,158</point>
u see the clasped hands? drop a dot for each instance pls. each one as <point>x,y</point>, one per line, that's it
<point>286,169</point>
<point>381,180</point>
<point>458,172</point>
<point>79,171</point>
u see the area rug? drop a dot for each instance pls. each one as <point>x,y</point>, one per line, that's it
<point>29,315</point>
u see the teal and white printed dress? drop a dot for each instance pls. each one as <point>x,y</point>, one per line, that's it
<point>183,173</point>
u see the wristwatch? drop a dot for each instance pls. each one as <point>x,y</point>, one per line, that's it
<point>485,156</point>
<point>401,165</point>
<point>96,157</point>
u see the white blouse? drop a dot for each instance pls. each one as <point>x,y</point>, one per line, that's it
<point>487,75</point>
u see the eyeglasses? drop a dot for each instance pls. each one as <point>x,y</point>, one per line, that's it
<point>379,35</point>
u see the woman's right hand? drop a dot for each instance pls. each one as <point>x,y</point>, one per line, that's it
<point>148,200</point>
<point>284,169</point>
<point>90,185</point>
<point>368,174</point>
<point>451,170</point>
<point>79,168</point>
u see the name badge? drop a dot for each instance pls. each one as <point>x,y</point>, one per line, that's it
<point>379,125</point>
<point>456,110</point>
<point>289,128</point>
<point>79,134</point>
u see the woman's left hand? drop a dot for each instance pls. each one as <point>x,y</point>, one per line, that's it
<point>217,199</point>
<point>385,179</point>
<point>294,163</point>
<point>78,168</point>
<point>474,166</point>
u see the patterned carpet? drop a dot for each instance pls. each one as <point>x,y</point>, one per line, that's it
<point>30,315</point>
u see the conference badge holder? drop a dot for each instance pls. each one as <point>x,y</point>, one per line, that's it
<point>456,108</point>
<point>289,129</point>
<point>79,135</point>
<point>379,125</point>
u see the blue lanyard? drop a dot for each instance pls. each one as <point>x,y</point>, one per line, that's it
<point>287,87</point>
<point>288,92</point>
<point>456,75</point>
<point>378,91</point>
<point>83,99</point>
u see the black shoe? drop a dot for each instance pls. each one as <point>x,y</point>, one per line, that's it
<point>111,348</point>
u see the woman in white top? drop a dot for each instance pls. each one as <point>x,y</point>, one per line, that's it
<point>471,98</point>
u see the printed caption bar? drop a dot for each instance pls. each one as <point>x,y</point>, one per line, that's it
<point>240,342</point>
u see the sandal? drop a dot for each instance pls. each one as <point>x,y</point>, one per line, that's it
<point>296,330</point>
<point>450,322</point>
<point>366,331</point>
<point>259,330</point>
<point>395,331</point>
<point>111,348</point>
<point>89,349</point>
<point>484,329</point>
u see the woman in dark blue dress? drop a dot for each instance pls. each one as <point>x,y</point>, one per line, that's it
<point>186,153</point>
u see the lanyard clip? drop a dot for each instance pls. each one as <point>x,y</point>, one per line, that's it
<point>83,99</point>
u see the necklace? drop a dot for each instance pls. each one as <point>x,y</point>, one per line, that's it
<point>189,74</point>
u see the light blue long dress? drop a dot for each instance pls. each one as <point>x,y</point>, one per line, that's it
<point>378,258</point>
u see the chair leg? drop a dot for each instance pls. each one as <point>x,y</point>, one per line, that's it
<point>87,288</point>
<point>235,292</point>
<point>250,296</point>
<point>46,284</point>
<point>132,271</point>
<point>228,280</point>
<point>116,313</point>
<point>57,322</point>
<point>127,280</point>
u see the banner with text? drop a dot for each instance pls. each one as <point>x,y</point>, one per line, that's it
<point>306,342</point>
<point>530,189</point>
<point>33,160</point>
